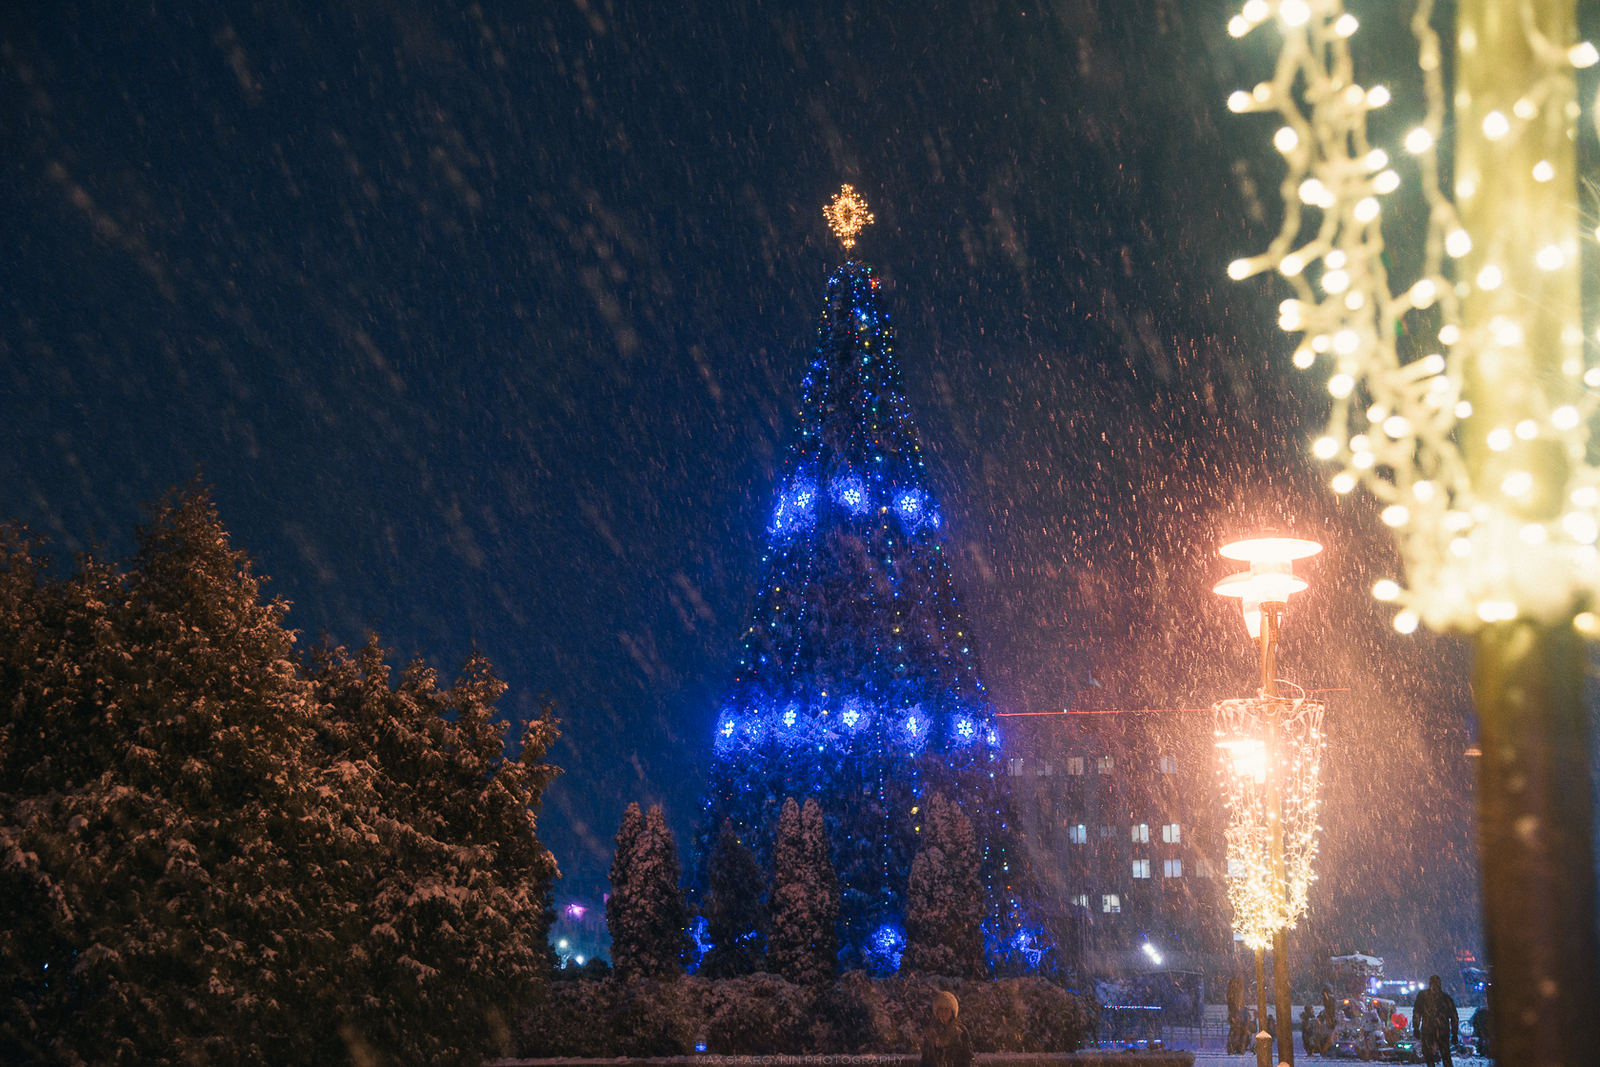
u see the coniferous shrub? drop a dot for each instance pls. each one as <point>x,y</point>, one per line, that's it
<point>645,913</point>
<point>735,912</point>
<point>802,944</point>
<point>944,897</point>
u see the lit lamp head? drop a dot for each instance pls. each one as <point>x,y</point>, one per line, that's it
<point>1270,578</point>
<point>1246,756</point>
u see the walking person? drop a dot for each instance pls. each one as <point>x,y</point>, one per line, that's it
<point>1435,1022</point>
<point>947,1043</point>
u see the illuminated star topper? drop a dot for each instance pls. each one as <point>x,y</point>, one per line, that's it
<point>848,216</point>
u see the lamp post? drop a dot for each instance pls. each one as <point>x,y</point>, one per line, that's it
<point>1264,592</point>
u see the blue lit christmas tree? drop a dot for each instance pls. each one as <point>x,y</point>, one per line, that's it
<point>858,682</point>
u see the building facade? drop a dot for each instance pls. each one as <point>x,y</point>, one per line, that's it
<point>1124,826</point>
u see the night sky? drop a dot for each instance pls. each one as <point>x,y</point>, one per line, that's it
<point>487,322</point>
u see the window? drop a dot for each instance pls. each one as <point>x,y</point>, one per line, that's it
<point>1014,767</point>
<point>1141,868</point>
<point>1078,834</point>
<point>1045,770</point>
<point>1169,833</point>
<point>1169,764</point>
<point>1235,868</point>
<point>1111,904</point>
<point>1237,936</point>
<point>1172,868</point>
<point>1141,833</point>
<point>1202,868</point>
<point>1081,900</point>
<point>1104,764</point>
<point>1107,831</point>
<point>1074,764</point>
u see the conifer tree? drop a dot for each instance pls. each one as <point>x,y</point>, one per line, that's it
<point>858,677</point>
<point>735,912</point>
<point>454,900</point>
<point>803,943</point>
<point>171,886</point>
<point>645,914</point>
<point>212,855</point>
<point>944,897</point>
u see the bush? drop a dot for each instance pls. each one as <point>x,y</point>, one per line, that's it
<point>762,1014</point>
<point>757,1015</point>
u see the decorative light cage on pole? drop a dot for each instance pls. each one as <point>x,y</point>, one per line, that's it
<point>1472,433</point>
<point>1262,900</point>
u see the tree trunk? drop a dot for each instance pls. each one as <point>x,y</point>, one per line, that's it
<point>1534,803</point>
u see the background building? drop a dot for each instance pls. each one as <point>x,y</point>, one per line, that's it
<point>1123,823</point>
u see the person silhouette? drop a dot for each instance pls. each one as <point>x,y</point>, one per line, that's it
<point>1435,1022</point>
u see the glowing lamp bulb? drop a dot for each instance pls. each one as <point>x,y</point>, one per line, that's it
<point>1245,757</point>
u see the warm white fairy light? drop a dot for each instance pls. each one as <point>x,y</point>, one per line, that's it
<point>847,216</point>
<point>1477,452</point>
<point>1261,902</point>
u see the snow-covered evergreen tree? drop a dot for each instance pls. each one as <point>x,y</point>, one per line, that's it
<point>736,914</point>
<point>453,902</point>
<point>171,881</point>
<point>802,943</point>
<point>944,897</point>
<point>645,913</point>
<point>200,863</point>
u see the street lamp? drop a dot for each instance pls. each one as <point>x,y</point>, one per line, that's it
<point>1269,745</point>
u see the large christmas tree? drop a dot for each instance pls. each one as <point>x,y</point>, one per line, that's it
<point>858,680</point>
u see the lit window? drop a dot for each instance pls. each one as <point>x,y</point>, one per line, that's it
<point>1047,771</point>
<point>1141,833</point>
<point>1074,764</point>
<point>1081,900</point>
<point>1111,904</point>
<point>1104,764</point>
<point>1237,936</point>
<point>1141,868</point>
<point>1172,868</point>
<point>1169,833</point>
<point>1202,868</point>
<point>1014,766</point>
<point>1235,868</point>
<point>1169,765</point>
<point>1078,834</point>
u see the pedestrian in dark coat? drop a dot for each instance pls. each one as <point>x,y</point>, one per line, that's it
<point>1435,1022</point>
<point>1482,1031</point>
<point>947,1043</point>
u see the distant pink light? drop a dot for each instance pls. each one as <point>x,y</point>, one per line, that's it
<point>576,911</point>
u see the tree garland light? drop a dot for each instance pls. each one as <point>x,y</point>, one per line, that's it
<point>1476,445</point>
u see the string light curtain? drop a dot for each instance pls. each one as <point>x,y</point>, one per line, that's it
<point>1262,903</point>
<point>1459,395</point>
